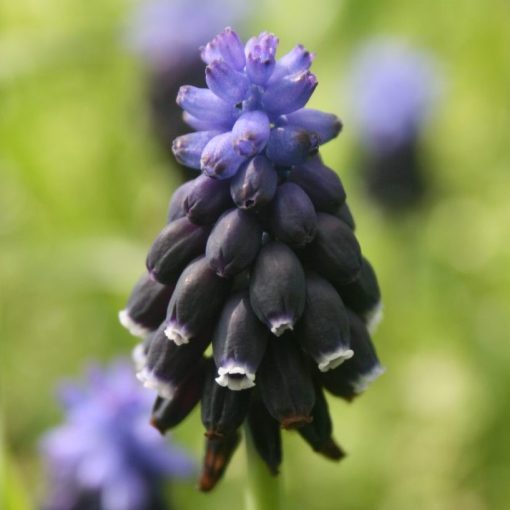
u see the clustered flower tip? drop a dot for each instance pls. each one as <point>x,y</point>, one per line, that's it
<point>258,258</point>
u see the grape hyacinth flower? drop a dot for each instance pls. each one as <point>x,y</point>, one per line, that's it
<point>258,258</point>
<point>105,456</point>
<point>166,35</point>
<point>394,88</point>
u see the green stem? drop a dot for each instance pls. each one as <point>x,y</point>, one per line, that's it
<point>262,488</point>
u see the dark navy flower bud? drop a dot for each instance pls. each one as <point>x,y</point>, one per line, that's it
<point>289,93</point>
<point>169,365</point>
<point>277,288</point>
<point>223,410</point>
<point>234,243</point>
<point>345,214</point>
<point>251,133</point>
<point>204,105</point>
<point>285,385</point>
<point>219,159</point>
<point>325,125</point>
<point>290,145</point>
<point>207,199</point>
<point>176,245</point>
<point>225,46</point>
<point>167,414</point>
<point>318,434</point>
<point>353,377</point>
<point>323,330</point>
<point>176,206</point>
<point>196,302</point>
<point>255,183</point>
<point>363,295</point>
<point>260,57</point>
<point>188,148</point>
<point>239,343</point>
<point>227,83</point>
<point>295,61</point>
<point>146,307</point>
<point>218,452</point>
<point>265,434</point>
<point>293,216</point>
<point>335,252</point>
<point>320,183</point>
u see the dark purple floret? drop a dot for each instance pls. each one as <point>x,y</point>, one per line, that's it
<point>325,125</point>
<point>176,206</point>
<point>174,248</point>
<point>196,302</point>
<point>291,145</point>
<point>294,220</point>
<point>239,343</point>
<point>277,288</point>
<point>207,199</point>
<point>234,243</point>
<point>255,184</point>
<point>345,214</point>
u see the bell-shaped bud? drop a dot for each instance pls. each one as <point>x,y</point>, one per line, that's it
<point>318,434</point>
<point>363,295</point>
<point>345,214</point>
<point>223,410</point>
<point>196,302</point>
<point>290,93</point>
<point>323,330</point>
<point>219,159</point>
<point>218,452</point>
<point>251,133</point>
<point>291,145</point>
<point>285,384</point>
<point>264,432</point>
<point>207,199</point>
<point>176,245</point>
<point>260,57</point>
<point>176,206</point>
<point>239,343</point>
<point>294,220</point>
<point>167,414</point>
<point>169,365</point>
<point>254,185</point>
<point>295,61</point>
<point>320,183</point>
<point>325,125</point>
<point>234,243</point>
<point>204,105</point>
<point>146,307</point>
<point>227,83</point>
<point>188,148</point>
<point>353,377</point>
<point>226,46</point>
<point>335,252</point>
<point>277,288</point>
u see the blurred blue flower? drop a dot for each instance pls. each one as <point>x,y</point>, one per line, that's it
<point>394,87</point>
<point>106,456</point>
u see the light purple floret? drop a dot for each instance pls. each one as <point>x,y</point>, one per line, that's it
<point>393,88</point>
<point>106,450</point>
<point>250,96</point>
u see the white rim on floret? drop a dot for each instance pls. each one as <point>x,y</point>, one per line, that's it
<point>374,316</point>
<point>235,383</point>
<point>364,380</point>
<point>163,389</point>
<point>133,327</point>
<point>177,334</point>
<point>334,359</point>
<point>280,325</point>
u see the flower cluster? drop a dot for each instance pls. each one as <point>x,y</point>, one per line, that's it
<point>105,457</point>
<point>258,257</point>
<point>394,89</point>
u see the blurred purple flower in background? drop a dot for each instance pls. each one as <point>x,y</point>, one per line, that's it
<point>166,35</point>
<point>106,456</point>
<point>394,89</point>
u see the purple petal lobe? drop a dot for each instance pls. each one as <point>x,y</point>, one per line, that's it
<point>226,46</point>
<point>295,61</point>
<point>234,243</point>
<point>188,148</point>
<point>294,220</point>
<point>260,57</point>
<point>289,145</point>
<point>225,82</point>
<point>254,185</point>
<point>325,125</point>
<point>204,104</point>
<point>251,133</point>
<point>219,159</point>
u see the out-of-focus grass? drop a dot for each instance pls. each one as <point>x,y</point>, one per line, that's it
<point>84,190</point>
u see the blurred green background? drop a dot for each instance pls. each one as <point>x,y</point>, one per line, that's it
<point>84,190</point>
